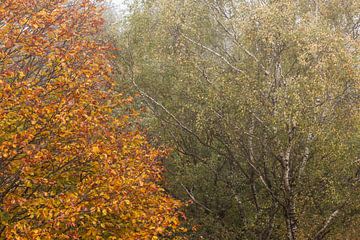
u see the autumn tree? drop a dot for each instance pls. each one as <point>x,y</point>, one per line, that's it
<point>260,100</point>
<point>73,164</point>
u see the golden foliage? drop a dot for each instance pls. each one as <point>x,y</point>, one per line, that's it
<point>70,167</point>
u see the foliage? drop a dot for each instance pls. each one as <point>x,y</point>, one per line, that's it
<point>73,164</point>
<point>260,100</point>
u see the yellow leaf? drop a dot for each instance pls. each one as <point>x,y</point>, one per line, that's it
<point>21,74</point>
<point>95,149</point>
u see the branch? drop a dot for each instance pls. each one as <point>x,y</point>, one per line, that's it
<point>320,234</point>
<point>234,39</point>
<point>194,199</point>
<point>213,52</point>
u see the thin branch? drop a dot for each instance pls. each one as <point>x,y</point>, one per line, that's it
<point>320,234</point>
<point>194,199</point>
<point>213,52</point>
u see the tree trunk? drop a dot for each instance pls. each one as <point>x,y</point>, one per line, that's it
<point>290,212</point>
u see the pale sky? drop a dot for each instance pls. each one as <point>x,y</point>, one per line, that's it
<point>120,5</point>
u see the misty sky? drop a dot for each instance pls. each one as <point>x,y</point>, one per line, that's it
<point>119,5</point>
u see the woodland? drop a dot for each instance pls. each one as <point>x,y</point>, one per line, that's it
<point>180,119</point>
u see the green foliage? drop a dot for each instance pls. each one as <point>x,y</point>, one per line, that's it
<point>260,101</point>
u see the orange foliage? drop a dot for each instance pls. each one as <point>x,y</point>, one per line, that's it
<point>71,163</point>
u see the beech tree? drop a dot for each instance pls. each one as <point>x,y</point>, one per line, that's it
<point>73,162</point>
<point>260,100</point>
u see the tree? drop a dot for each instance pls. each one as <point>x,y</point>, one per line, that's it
<point>73,163</point>
<point>260,100</point>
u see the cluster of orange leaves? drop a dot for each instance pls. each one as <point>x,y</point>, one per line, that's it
<point>72,164</point>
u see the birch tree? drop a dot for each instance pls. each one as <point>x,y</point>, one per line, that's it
<point>260,100</point>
